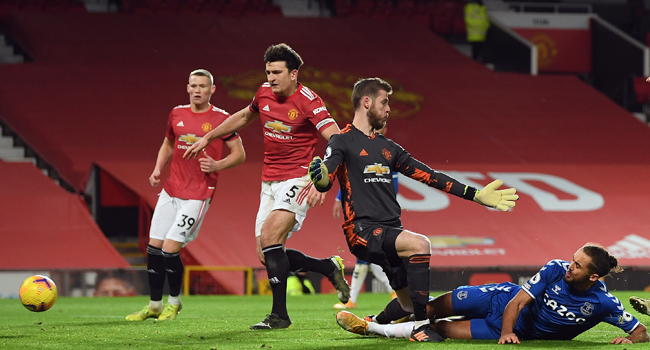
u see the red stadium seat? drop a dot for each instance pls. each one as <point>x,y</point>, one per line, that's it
<point>343,8</point>
<point>404,9</point>
<point>8,6</point>
<point>191,6</point>
<point>383,10</point>
<point>642,90</point>
<point>363,9</point>
<point>32,5</point>
<point>76,6</point>
<point>169,6</point>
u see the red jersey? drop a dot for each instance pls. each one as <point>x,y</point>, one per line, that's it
<point>291,126</point>
<point>184,127</point>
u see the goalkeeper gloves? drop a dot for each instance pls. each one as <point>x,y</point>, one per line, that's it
<point>501,199</point>
<point>318,173</point>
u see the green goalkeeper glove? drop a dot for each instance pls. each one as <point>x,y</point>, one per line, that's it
<point>490,197</point>
<point>318,173</point>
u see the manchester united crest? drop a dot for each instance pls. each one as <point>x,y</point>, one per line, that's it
<point>293,114</point>
<point>386,154</point>
<point>206,127</point>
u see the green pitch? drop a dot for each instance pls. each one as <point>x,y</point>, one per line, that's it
<point>221,322</point>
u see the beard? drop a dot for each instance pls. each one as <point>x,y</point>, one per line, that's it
<point>575,280</point>
<point>374,118</point>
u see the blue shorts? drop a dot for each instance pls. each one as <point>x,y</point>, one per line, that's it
<point>361,262</point>
<point>483,306</point>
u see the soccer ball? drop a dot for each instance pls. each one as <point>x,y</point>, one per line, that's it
<point>38,293</point>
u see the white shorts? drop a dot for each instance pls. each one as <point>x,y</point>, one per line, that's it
<point>177,219</point>
<point>290,195</point>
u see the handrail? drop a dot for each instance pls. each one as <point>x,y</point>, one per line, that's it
<point>246,269</point>
<point>521,6</point>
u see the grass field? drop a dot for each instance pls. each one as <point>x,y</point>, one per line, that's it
<point>221,322</point>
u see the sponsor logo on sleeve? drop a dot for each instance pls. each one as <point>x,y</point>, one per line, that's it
<point>328,152</point>
<point>319,109</point>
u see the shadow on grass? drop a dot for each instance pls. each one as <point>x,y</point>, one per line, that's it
<point>3,336</point>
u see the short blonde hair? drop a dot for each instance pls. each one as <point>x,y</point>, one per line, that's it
<point>203,73</point>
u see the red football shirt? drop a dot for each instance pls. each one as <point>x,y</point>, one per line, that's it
<point>185,127</point>
<point>291,126</point>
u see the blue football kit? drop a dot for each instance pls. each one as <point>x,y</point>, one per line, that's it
<point>558,311</point>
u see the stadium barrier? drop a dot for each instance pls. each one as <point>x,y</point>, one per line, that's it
<point>248,274</point>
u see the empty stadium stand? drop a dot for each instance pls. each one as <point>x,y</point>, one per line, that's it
<point>100,88</point>
<point>45,227</point>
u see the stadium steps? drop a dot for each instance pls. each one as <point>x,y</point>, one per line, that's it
<point>14,149</point>
<point>7,55</point>
<point>11,153</point>
<point>130,253</point>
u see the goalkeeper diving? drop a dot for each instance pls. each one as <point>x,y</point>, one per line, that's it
<point>363,161</point>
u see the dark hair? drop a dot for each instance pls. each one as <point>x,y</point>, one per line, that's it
<point>368,87</point>
<point>203,73</point>
<point>601,262</point>
<point>283,52</point>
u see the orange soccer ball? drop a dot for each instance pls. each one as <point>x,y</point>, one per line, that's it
<point>38,293</point>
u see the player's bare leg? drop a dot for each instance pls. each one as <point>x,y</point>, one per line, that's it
<point>440,307</point>
<point>454,329</point>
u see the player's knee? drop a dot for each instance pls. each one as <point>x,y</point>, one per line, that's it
<point>422,246</point>
<point>272,235</point>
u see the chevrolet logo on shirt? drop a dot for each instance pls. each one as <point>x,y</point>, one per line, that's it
<point>277,126</point>
<point>377,169</point>
<point>189,138</point>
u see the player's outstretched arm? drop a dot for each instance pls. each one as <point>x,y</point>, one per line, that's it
<point>489,196</point>
<point>638,335</point>
<point>230,125</point>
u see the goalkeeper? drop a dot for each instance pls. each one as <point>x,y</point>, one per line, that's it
<point>364,161</point>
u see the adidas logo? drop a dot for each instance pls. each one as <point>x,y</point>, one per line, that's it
<point>631,247</point>
<point>363,153</point>
<point>180,123</point>
<point>288,201</point>
<point>266,108</point>
<point>274,280</point>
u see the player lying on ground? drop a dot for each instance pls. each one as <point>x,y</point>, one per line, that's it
<point>563,300</point>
